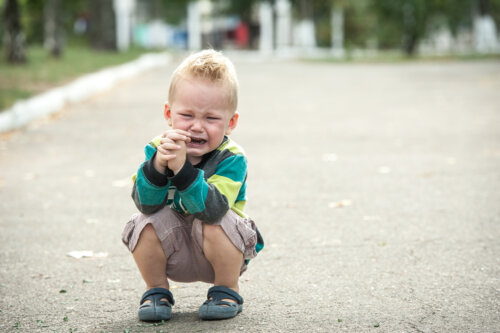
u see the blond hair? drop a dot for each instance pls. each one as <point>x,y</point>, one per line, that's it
<point>208,65</point>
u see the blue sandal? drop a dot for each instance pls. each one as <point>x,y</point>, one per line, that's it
<point>156,309</point>
<point>215,308</point>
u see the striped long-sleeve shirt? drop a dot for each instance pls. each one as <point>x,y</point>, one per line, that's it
<point>207,190</point>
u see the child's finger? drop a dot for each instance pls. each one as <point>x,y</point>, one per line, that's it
<point>179,131</point>
<point>177,136</point>
<point>182,132</point>
<point>169,146</point>
<point>167,156</point>
<point>162,152</point>
<point>170,141</point>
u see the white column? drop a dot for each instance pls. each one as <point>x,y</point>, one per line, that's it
<point>337,32</point>
<point>305,34</point>
<point>283,24</point>
<point>266,27</point>
<point>123,13</point>
<point>485,34</point>
<point>194,26</point>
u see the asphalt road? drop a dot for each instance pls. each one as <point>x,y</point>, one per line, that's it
<point>376,187</point>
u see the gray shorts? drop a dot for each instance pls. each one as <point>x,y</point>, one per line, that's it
<point>181,237</point>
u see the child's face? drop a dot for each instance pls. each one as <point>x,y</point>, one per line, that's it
<point>201,108</point>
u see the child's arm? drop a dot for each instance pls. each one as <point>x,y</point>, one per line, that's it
<point>209,200</point>
<point>151,183</point>
<point>150,186</point>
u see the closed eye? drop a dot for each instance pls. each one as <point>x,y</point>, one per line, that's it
<point>185,115</point>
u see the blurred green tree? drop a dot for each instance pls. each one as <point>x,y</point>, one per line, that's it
<point>13,35</point>
<point>404,23</point>
<point>102,26</point>
<point>174,11</point>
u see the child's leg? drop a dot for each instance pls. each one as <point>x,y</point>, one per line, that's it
<point>150,259</point>
<point>224,257</point>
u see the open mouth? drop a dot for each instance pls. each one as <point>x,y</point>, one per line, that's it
<point>198,141</point>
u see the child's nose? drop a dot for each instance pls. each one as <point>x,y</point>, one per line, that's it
<point>196,126</point>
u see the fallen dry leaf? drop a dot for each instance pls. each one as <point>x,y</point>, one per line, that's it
<point>340,204</point>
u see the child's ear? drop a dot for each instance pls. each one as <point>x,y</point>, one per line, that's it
<point>232,123</point>
<point>167,114</point>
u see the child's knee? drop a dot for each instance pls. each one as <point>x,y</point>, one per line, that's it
<point>148,234</point>
<point>212,232</point>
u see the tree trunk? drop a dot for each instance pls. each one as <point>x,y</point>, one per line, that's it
<point>410,44</point>
<point>13,41</point>
<point>306,10</point>
<point>410,29</point>
<point>52,25</point>
<point>102,26</point>
<point>483,7</point>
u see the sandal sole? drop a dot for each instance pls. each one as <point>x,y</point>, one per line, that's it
<point>155,315</point>
<point>218,312</point>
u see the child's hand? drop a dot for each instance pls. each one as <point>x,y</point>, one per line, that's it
<point>171,152</point>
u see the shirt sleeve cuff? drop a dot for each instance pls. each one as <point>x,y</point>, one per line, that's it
<point>156,178</point>
<point>185,177</point>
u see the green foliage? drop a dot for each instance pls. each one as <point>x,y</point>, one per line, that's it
<point>494,11</point>
<point>32,20</point>
<point>455,13</point>
<point>174,11</point>
<point>321,14</point>
<point>359,23</point>
<point>405,22</point>
<point>32,17</point>
<point>242,8</point>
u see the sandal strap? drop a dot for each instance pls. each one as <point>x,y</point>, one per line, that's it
<point>217,302</point>
<point>220,292</point>
<point>158,293</point>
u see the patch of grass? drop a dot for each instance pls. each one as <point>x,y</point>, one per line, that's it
<point>9,95</point>
<point>43,72</point>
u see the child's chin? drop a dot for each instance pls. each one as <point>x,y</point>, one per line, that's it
<point>196,152</point>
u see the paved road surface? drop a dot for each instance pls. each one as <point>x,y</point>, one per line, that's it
<point>376,188</point>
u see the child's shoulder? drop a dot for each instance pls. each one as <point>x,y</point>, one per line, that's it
<point>229,145</point>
